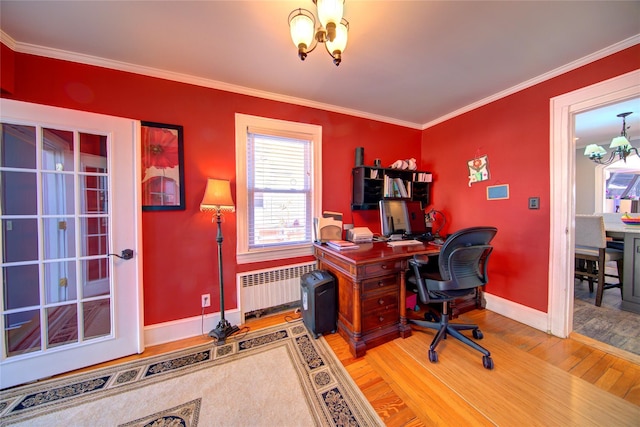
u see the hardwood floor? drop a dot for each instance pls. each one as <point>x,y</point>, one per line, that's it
<point>538,379</point>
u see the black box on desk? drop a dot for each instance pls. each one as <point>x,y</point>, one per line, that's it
<point>318,296</point>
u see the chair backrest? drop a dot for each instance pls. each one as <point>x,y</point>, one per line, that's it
<point>465,237</point>
<point>590,231</point>
<point>462,263</point>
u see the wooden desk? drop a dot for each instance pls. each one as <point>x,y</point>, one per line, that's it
<point>371,291</point>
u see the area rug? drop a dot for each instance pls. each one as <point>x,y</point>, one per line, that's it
<point>279,376</point>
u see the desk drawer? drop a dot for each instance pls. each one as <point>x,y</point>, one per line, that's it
<point>379,283</point>
<point>372,270</point>
<point>379,318</point>
<point>382,302</point>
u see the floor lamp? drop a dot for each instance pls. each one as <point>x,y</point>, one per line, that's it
<point>217,198</point>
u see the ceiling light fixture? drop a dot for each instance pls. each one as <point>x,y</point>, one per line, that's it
<point>621,145</point>
<point>332,29</point>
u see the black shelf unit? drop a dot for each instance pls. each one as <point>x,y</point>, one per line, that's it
<point>369,186</point>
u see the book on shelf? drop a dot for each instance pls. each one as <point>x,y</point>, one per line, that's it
<point>342,244</point>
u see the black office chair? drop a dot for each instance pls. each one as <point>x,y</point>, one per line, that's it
<point>462,268</point>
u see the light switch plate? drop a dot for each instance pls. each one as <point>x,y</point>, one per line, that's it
<point>534,202</point>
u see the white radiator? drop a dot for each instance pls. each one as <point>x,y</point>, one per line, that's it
<point>271,287</point>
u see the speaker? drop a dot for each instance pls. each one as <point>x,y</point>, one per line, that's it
<point>359,156</point>
<point>318,295</point>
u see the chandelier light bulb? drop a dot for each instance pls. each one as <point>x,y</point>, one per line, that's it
<point>330,14</point>
<point>302,26</point>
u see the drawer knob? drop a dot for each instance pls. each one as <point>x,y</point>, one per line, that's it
<point>381,319</point>
<point>380,283</point>
<point>384,266</point>
<point>380,301</point>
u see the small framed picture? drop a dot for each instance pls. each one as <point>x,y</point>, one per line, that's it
<point>162,167</point>
<point>498,192</point>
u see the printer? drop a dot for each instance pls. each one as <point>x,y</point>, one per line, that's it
<point>359,235</point>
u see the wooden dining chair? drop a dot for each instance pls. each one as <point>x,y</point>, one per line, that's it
<point>592,255</point>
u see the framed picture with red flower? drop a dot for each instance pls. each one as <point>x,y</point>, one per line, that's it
<point>162,167</point>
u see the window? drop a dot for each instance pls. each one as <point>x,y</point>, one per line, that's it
<point>278,187</point>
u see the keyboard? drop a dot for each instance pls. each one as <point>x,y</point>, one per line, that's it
<point>403,242</point>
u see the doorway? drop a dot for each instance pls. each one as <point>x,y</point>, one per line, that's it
<point>562,171</point>
<point>70,241</point>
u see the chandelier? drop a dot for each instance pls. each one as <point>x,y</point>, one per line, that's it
<point>621,146</point>
<point>331,30</point>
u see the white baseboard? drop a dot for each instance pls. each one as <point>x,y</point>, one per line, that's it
<point>518,312</point>
<point>186,328</point>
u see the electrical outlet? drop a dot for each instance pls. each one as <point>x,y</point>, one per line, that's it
<point>206,300</point>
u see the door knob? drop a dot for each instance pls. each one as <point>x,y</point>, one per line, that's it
<point>125,254</point>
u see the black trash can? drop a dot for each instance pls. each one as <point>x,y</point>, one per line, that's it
<point>318,296</point>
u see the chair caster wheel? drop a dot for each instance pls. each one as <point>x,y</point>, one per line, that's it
<point>433,356</point>
<point>477,334</point>
<point>487,362</point>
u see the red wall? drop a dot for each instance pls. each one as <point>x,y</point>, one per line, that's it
<point>514,132</point>
<point>179,252</point>
<point>179,247</point>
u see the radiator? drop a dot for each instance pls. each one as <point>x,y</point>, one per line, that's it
<point>271,287</point>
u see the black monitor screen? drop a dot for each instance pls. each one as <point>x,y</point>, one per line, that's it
<point>394,218</point>
<point>417,223</point>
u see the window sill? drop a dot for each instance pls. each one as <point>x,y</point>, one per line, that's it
<point>271,254</point>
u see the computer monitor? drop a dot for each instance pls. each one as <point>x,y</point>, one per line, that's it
<point>394,218</point>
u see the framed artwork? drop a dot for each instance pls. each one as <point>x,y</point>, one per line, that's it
<point>478,169</point>
<point>498,192</point>
<point>162,167</point>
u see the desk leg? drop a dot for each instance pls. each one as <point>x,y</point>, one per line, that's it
<point>404,328</point>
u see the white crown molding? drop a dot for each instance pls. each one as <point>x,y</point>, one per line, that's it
<point>7,40</point>
<point>631,41</point>
<point>214,84</point>
<point>185,78</point>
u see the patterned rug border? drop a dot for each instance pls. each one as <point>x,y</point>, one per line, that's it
<point>332,396</point>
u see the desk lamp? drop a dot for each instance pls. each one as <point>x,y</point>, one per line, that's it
<point>217,198</point>
<point>431,217</point>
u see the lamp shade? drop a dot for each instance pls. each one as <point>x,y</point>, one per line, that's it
<point>339,44</point>
<point>302,27</point>
<point>594,150</point>
<point>619,141</point>
<point>330,11</point>
<point>217,196</point>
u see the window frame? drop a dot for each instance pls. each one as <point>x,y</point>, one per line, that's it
<point>285,128</point>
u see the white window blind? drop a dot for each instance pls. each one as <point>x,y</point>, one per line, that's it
<point>278,190</point>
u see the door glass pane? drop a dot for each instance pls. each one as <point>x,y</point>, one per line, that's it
<point>60,282</point>
<point>96,232</point>
<point>57,150</point>
<point>20,285</point>
<point>95,277</point>
<point>62,325</point>
<point>23,332</point>
<point>18,193</point>
<point>20,240</point>
<point>57,194</point>
<point>59,237</point>
<point>94,146</point>
<point>95,194</point>
<point>18,146</point>
<point>97,318</point>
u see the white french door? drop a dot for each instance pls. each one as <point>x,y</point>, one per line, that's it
<point>70,239</point>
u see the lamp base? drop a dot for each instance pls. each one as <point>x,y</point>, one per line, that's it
<point>222,331</point>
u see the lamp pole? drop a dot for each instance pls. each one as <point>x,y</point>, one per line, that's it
<point>224,328</point>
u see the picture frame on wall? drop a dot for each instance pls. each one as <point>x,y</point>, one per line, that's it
<point>162,157</point>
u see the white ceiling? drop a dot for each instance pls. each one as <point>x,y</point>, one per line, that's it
<point>407,62</point>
